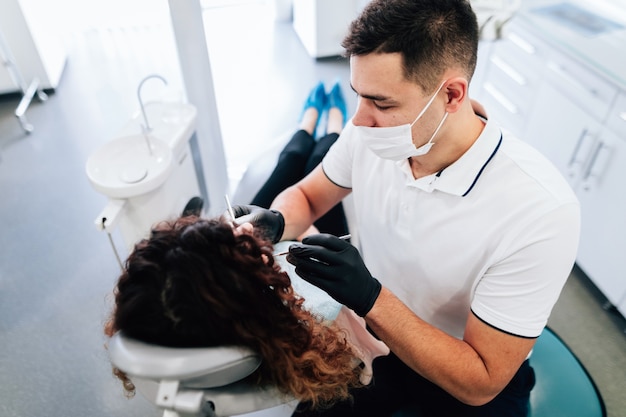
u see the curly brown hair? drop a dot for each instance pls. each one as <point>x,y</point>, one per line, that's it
<point>195,283</point>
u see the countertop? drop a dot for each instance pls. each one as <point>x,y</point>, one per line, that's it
<point>595,34</point>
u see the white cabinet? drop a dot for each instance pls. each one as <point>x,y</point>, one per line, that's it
<point>511,81</point>
<point>476,84</point>
<point>617,116</point>
<point>32,33</point>
<point>603,202</point>
<point>573,123</point>
<point>562,131</point>
<point>566,120</point>
<point>603,240</point>
<point>577,118</point>
<point>321,25</point>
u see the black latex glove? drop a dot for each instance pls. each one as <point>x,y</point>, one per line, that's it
<point>270,223</point>
<point>336,267</point>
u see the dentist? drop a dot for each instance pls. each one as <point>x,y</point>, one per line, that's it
<point>466,234</point>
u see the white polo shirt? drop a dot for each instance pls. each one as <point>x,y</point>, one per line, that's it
<point>495,232</point>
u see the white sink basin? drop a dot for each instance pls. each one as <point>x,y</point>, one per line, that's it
<point>127,167</point>
<point>172,122</point>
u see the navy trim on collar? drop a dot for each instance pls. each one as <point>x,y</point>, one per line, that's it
<point>483,167</point>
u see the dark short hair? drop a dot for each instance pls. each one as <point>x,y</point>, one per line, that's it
<point>431,36</point>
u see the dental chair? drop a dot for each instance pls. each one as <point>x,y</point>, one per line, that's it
<point>207,382</point>
<point>194,382</point>
<point>564,388</point>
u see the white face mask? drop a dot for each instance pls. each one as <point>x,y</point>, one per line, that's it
<point>396,142</point>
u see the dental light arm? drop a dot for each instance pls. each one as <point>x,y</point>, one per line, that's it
<point>492,16</point>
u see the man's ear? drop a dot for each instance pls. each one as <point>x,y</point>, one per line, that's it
<point>456,90</point>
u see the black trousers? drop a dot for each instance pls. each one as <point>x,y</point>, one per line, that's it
<point>398,391</point>
<point>298,158</point>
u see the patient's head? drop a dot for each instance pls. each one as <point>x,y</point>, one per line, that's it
<point>198,283</point>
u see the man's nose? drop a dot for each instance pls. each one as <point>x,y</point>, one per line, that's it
<point>363,114</point>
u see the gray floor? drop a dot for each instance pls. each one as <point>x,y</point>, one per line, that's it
<point>57,270</point>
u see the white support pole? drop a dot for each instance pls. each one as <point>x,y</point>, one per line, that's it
<point>195,66</point>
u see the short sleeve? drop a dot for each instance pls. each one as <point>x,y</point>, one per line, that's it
<point>337,164</point>
<point>518,292</point>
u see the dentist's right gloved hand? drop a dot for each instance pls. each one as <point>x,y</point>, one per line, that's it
<point>336,267</point>
<point>270,223</point>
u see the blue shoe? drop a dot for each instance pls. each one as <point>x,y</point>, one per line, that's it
<point>336,99</point>
<point>317,99</point>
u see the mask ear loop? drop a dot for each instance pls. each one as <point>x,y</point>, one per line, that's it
<point>445,116</point>
<point>428,145</point>
<point>432,98</point>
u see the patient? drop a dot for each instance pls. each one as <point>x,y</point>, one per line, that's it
<point>199,283</point>
<point>322,119</point>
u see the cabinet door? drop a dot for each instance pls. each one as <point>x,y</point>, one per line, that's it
<point>563,132</point>
<point>514,70</point>
<point>594,162</point>
<point>601,252</point>
<point>476,84</point>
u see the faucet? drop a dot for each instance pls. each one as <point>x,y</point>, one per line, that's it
<point>146,126</point>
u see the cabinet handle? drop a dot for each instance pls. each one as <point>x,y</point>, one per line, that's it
<point>500,98</point>
<point>508,70</point>
<point>563,74</point>
<point>580,154</point>
<point>522,44</point>
<point>599,160</point>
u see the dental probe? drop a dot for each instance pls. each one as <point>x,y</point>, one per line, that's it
<point>230,210</point>
<point>344,237</point>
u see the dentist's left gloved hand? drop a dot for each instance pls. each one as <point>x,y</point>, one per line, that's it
<point>336,267</point>
<point>271,223</point>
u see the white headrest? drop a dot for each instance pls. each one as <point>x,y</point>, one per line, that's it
<point>193,367</point>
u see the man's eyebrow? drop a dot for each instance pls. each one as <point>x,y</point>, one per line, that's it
<point>371,97</point>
